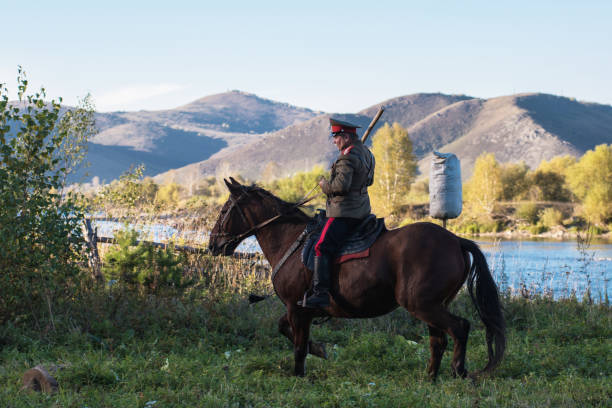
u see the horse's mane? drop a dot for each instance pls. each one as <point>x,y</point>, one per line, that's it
<point>289,210</point>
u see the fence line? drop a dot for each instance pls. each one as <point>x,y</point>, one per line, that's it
<point>92,239</point>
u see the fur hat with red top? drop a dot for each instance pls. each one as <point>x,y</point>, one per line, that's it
<point>339,126</point>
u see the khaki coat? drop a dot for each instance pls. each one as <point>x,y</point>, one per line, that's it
<point>347,188</point>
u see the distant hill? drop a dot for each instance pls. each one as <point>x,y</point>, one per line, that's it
<point>168,139</point>
<point>410,109</point>
<point>525,127</point>
<point>301,146</point>
<point>240,133</point>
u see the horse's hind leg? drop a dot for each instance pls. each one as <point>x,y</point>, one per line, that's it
<point>437,345</point>
<point>457,327</point>
<point>314,348</point>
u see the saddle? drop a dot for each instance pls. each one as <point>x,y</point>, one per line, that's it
<point>357,245</point>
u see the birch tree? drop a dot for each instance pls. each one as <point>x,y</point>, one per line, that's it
<point>396,169</point>
<point>40,224</point>
<point>484,190</point>
<point>590,179</point>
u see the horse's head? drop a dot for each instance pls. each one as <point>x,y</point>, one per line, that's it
<point>248,210</point>
<point>233,226</point>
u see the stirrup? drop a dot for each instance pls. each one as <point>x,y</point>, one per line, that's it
<point>303,301</point>
<point>316,301</point>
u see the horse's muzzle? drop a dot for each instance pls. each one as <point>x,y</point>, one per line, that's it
<point>222,248</point>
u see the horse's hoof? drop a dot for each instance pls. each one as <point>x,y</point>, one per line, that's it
<point>318,349</point>
<point>460,374</point>
<point>474,376</point>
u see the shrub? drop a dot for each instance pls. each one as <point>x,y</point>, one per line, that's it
<point>168,195</point>
<point>490,226</point>
<point>527,212</point>
<point>595,230</point>
<point>41,248</point>
<point>131,193</point>
<point>538,229</point>
<point>474,226</point>
<point>142,266</point>
<point>419,192</point>
<point>551,217</point>
<point>296,187</point>
<point>406,221</point>
<point>197,202</point>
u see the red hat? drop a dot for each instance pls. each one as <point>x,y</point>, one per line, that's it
<point>339,126</point>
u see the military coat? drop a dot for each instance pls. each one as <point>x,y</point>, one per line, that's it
<point>347,189</point>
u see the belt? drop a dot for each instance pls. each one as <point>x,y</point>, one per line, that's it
<point>362,191</point>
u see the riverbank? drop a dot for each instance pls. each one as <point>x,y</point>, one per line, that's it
<point>557,234</point>
<point>195,225</point>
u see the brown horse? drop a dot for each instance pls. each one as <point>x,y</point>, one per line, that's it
<point>421,267</point>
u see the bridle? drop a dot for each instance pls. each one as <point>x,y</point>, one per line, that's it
<point>235,203</point>
<point>236,239</point>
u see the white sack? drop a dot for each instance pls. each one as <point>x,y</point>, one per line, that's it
<point>445,198</point>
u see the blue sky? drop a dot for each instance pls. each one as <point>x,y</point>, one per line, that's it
<point>334,56</point>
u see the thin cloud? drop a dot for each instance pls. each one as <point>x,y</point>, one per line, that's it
<point>125,97</point>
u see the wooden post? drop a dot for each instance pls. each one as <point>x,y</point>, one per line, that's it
<point>91,237</point>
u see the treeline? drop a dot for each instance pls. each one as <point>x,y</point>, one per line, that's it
<point>133,194</point>
<point>586,183</point>
<point>563,191</point>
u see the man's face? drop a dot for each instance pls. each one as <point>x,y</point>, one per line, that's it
<point>342,141</point>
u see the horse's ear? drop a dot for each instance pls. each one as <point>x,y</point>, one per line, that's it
<point>234,182</point>
<point>233,187</point>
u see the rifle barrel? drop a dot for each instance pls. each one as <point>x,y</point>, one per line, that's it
<point>372,124</point>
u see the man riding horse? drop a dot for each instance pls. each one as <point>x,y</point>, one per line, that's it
<point>420,266</point>
<point>347,204</point>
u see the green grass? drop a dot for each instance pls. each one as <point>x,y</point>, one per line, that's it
<point>219,352</point>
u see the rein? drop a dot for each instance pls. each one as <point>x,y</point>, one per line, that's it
<point>235,239</point>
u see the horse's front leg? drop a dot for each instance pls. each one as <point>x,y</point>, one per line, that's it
<point>314,348</point>
<point>300,325</point>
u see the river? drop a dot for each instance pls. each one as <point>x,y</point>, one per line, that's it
<point>558,268</point>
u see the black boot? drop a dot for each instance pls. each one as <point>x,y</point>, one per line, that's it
<point>321,281</point>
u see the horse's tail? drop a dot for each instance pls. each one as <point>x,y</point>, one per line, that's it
<point>487,303</point>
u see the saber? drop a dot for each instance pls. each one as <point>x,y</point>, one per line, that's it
<point>372,124</point>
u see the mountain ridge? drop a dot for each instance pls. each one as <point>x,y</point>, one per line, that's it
<point>521,127</point>
<point>241,133</point>
<point>204,126</point>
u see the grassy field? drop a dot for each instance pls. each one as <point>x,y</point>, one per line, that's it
<point>211,349</point>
